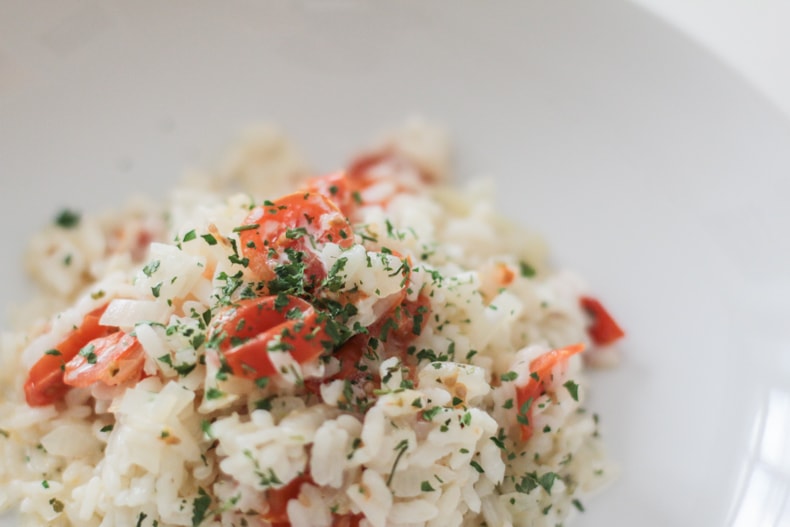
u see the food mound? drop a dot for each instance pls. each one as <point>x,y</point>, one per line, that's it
<point>371,347</point>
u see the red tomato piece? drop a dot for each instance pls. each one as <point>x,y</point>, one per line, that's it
<point>111,360</point>
<point>254,328</point>
<point>604,329</point>
<point>540,372</point>
<point>44,384</point>
<point>302,221</point>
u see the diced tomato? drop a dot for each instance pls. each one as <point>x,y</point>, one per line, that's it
<point>278,500</point>
<point>257,327</point>
<point>604,329</point>
<point>540,372</point>
<point>302,222</point>
<point>44,383</point>
<point>111,360</point>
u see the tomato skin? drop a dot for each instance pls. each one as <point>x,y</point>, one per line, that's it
<point>338,188</point>
<point>302,222</point>
<point>117,358</point>
<point>540,367</point>
<point>44,384</point>
<point>278,499</point>
<point>604,329</point>
<point>347,188</point>
<point>247,330</point>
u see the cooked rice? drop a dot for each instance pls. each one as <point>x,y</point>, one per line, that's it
<point>436,444</point>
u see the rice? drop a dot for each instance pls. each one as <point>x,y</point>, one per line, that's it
<point>384,359</point>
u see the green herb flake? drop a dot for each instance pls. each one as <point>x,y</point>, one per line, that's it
<point>155,290</point>
<point>213,393</point>
<point>242,228</point>
<point>140,517</point>
<point>400,448</point>
<point>67,219</point>
<point>188,237</point>
<point>527,271</point>
<point>200,507</point>
<point>88,353</point>
<point>151,268</point>
<point>573,389</point>
<point>209,239</point>
<point>425,486</point>
<point>475,465</point>
<point>45,484</point>
<point>578,505</point>
<point>106,428</point>
<point>509,376</point>
<point>430,413</point>
<point>53,352</point>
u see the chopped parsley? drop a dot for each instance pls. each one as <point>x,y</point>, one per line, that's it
<point>213,393</point>
<point>200,507</point>
<point>475,465</point>
<point>400,448</point>
<point>530,481</point>
<point>527,271</point>
<point>573,389</point>
<point>151,268</point>
<point>430,413</point>
<point>509,376</point>
<point>89,353</point>
<point>67,219</point>
<point>242,228</point>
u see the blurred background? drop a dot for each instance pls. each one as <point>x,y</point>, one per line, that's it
<point>750,36</point>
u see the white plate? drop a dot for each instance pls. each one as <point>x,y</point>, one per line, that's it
<point>652,170</point>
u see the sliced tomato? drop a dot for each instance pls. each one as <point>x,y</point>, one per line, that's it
<point>111,360</point>
<point>604,329</point>
<point>540,372</point>
<point>302,222</point>
<point>44,384</point>
<point>257,327</point>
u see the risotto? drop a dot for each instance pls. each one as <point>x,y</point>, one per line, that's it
<point>369,347</point>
